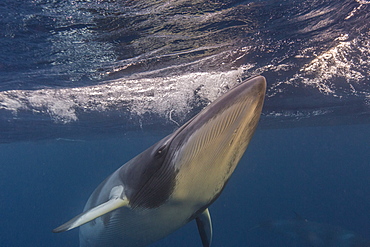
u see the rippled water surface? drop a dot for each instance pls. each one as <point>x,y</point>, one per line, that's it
<point>128,64</point>
<point>87,85</point>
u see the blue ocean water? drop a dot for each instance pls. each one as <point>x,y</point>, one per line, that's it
<point>320,172</point>
<point>87,85</point>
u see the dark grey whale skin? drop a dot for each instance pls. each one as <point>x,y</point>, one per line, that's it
<point>176,179</point>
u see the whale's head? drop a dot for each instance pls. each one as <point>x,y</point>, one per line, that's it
<point>206,150</point>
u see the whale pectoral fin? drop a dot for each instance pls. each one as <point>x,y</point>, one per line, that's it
<point>93,213</point>
<point>205,227</point>
<point>116,200</point>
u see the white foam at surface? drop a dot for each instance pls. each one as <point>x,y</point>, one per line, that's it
<point>161,95</point>
<point>347,60</point>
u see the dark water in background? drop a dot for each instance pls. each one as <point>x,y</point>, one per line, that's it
<point>87,85</point>
<point>320,172</point>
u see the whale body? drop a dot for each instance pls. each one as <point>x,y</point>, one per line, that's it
<point>174,181</point>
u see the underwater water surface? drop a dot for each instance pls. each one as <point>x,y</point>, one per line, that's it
<point>87,85</point>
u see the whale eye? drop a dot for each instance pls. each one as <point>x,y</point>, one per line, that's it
<point>160,151</point>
